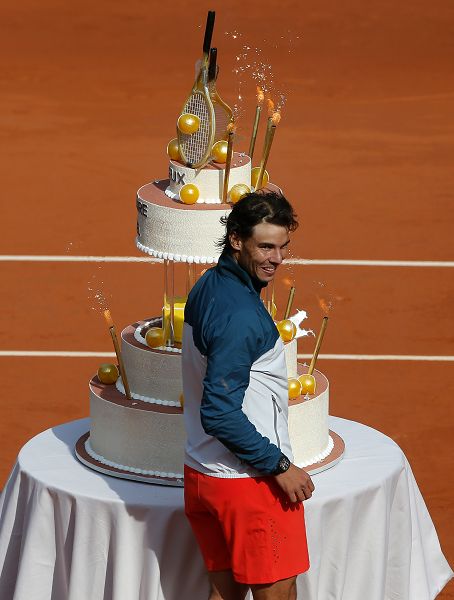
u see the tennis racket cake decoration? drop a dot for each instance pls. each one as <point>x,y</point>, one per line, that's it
<point>222,112</point>
<point>197,123</point>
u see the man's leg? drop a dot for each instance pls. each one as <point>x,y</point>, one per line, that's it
<point>281,590</point>
<point>224,586</point>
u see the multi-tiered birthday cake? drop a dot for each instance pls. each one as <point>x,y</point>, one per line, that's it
<point>137,428</point>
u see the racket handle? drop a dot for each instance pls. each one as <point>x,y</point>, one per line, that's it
<point>212,67</point>
<point>208,31</point>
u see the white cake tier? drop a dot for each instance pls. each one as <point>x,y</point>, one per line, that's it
<point>210,179</point>
<point>180,232</point>
<point>169,229</point>
<point>154,375</point>
<point>308,424</point>
<point>291,353</point>
<point>137,436</point>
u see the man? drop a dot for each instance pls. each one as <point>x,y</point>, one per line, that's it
<point>243,496</point>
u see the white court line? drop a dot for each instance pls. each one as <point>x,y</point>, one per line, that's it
<point>411,357</point>
<point>75,354</point>
<point>68,258</point>
<point>289,261</point>
<point>55,353</point>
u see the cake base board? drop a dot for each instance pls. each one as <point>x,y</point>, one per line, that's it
<point>94,464</point>
<point>333,457</point>
<point>330,461</point>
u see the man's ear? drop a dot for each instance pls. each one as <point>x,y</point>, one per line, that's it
<point>235,241</point>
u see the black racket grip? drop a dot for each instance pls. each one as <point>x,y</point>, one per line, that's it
<point>208,31</point>
<point>212,67</point>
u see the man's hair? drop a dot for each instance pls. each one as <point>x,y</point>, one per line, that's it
<point>254,208</point>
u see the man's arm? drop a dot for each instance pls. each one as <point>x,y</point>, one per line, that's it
<point>232,349</point>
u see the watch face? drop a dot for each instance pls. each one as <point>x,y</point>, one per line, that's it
<point>284,464</point>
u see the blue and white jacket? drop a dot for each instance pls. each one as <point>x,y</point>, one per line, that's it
<point>234,377</point>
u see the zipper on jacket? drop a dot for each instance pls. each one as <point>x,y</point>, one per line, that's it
<point>277,409</point>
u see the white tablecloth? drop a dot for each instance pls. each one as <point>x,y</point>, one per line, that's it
<point>69,533</point>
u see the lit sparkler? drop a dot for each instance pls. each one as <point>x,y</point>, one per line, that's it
<point>258,110</point>
<point>272,122</point>
<point>228,162</point>
<point>113,334</point>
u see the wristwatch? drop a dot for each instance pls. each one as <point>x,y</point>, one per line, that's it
<point>282,466</point>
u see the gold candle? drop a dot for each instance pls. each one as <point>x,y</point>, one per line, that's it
<point>113,334</point>
<point>258,110</point>
<point>318,345</point>
<point>270,131</point>
<point>227,164</point>
<point>291,296</point>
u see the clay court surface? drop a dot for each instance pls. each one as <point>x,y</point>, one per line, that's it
<point>365,150</point>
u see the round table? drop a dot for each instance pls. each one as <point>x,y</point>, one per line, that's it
<point>67,532</point>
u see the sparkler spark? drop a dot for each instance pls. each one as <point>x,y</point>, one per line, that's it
<point>96,294</point>
<point>253,62</point>
<point>325,305</point>
<point>276,117</point>
<point>270,105</point>
<point>108,318</point>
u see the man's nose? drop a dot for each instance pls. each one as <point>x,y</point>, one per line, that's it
<point>276,256</point>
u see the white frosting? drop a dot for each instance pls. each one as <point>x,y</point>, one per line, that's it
<point>203,260</point>
<point>308,428</point>
<point>133,438</point>
<point>291,354</point>
<point>121,388</point>
<point>152,374</point>
<point>317,457</point>
<point>111,463</point>
<point>179,234</point>
<point>209,181</point>
<point>170,194</point>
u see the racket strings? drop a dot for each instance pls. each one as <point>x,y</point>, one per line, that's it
<point>196,145</point>
<point>223,118</point>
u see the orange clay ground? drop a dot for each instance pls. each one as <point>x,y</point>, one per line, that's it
<point>365,149</point>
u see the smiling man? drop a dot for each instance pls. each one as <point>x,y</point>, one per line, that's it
<point>243,495</point>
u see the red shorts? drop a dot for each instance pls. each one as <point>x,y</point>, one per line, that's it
<point>247,525</point>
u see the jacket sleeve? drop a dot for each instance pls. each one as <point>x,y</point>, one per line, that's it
<point>231,351</point>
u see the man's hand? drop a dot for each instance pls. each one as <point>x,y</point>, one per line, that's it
<point>296,483</point>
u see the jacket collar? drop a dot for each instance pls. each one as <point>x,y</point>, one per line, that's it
<point>228,266</point>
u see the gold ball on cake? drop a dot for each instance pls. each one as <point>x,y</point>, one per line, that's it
<point>173,150</point>
<point>189,193</point>
<point>307,384</point>
<point>108,373</point>
<point>287,330</point>
<point>155,337</point>
<point>237,192</point>
<point>255,175</point>
<point>219,151</point>
<point>294,388</point>
<point>188,123</point>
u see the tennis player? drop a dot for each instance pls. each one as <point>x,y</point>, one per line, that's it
<point>243,495</point>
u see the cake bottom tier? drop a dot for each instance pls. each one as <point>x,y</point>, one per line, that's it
<point>148,439</point>
<point>140,437</point>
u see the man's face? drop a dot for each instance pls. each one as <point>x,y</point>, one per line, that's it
<point>262,253</point>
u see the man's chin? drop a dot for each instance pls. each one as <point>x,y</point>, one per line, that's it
<point>265,276</point>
